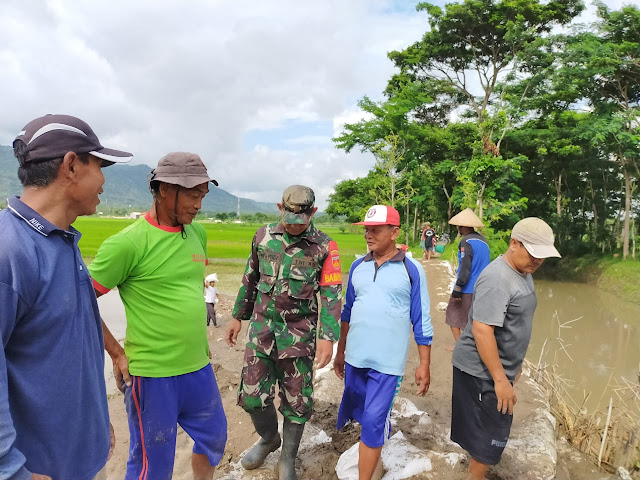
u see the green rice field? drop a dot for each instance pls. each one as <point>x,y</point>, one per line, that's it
<point>228,245</point>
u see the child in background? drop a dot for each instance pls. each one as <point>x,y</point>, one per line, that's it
<point>211,297</point>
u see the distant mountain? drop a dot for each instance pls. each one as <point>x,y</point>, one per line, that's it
<point>126,186</point>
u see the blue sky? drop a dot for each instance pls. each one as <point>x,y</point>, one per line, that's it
<point>293,135</point>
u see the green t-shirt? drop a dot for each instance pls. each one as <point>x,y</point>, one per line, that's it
<point>159,276</point>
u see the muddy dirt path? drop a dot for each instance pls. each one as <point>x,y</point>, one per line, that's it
<point>320,464</point>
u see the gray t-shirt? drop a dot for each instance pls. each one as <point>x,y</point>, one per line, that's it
<point>506,299</point>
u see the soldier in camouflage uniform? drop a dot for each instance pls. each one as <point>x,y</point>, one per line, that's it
<point>290,263</point>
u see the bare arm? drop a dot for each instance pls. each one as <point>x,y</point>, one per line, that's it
<point>328,330</point>
<point>243,306</point>
<point>488,349</point>
<point>118,357</point>
<point>423,372</point>
<point>338,362</point>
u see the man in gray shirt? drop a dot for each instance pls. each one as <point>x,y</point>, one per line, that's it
<point>487,359</point>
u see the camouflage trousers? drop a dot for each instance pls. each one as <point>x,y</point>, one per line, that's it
<point>294,376</point>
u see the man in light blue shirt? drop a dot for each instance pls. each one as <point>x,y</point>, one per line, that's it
<point>386,297</point>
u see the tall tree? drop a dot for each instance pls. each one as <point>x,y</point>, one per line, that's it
<point>604,66</point>
<point>471,48</point>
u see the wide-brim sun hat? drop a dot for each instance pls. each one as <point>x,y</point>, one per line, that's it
<point>466,218</point>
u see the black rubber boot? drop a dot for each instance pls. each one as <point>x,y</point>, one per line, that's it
<point>266,424</point>
<point>291,435</point>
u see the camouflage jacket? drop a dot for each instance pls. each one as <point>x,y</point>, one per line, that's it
<point>279,291</point>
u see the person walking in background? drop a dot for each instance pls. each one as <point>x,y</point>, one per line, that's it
<point>473,257</point>
<point>291,262</point>
<point>211,297</point>
<point>428,240</point>
<point>54,420</point>
<point>386,297</point>
<point>487,360</point>
<point>158,264</point>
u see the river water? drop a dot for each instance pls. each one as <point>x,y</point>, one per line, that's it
<point>602,344</point>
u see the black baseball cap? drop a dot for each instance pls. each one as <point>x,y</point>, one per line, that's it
<point>52,136</point>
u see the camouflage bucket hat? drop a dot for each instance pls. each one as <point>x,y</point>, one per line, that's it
<point>297,204</point>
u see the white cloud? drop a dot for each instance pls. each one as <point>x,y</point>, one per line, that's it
<point>349,115</point>
<point>154,76</point>
<point>157,76</point>
<point>273,170</point>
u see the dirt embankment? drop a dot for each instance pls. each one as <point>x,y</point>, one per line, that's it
<point>429,432</point>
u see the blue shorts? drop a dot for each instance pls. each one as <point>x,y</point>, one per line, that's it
<point>368,398</point>
<point>156,405</point>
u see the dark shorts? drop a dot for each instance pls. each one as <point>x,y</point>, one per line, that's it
<point>476,424</point>
<point>155,407</point>
<point>368,398</point>
<point>458,311</point>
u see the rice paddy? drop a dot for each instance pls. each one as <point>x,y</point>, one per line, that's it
<point>228,245</point>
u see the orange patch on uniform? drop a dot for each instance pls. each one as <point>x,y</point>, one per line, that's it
<point>331,272</point>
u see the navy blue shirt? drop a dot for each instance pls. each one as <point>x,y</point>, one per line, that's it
<point>53,403</point>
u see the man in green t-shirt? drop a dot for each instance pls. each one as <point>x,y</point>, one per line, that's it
<point>158,264</point>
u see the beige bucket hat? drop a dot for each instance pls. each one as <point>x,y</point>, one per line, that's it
<point>181,168</point>
<point>466,218</point>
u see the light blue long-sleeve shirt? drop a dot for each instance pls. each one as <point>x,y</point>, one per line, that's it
<point>382,305</point>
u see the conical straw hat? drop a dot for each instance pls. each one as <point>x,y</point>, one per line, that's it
<point>466,218</point>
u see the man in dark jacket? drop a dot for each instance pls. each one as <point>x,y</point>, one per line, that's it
<point>473,256</point>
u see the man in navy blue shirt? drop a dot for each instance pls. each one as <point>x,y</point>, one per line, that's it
<point>54,421</point>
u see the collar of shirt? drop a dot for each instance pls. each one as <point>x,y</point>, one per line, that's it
<point>309,234</point>
<point>398,257</point>
<point>35,220</point>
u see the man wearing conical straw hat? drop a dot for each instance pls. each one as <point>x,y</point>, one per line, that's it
<point>487,360</point>
<point>473,256</point>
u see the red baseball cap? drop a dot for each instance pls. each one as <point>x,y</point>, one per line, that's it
<point>381,215</point>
